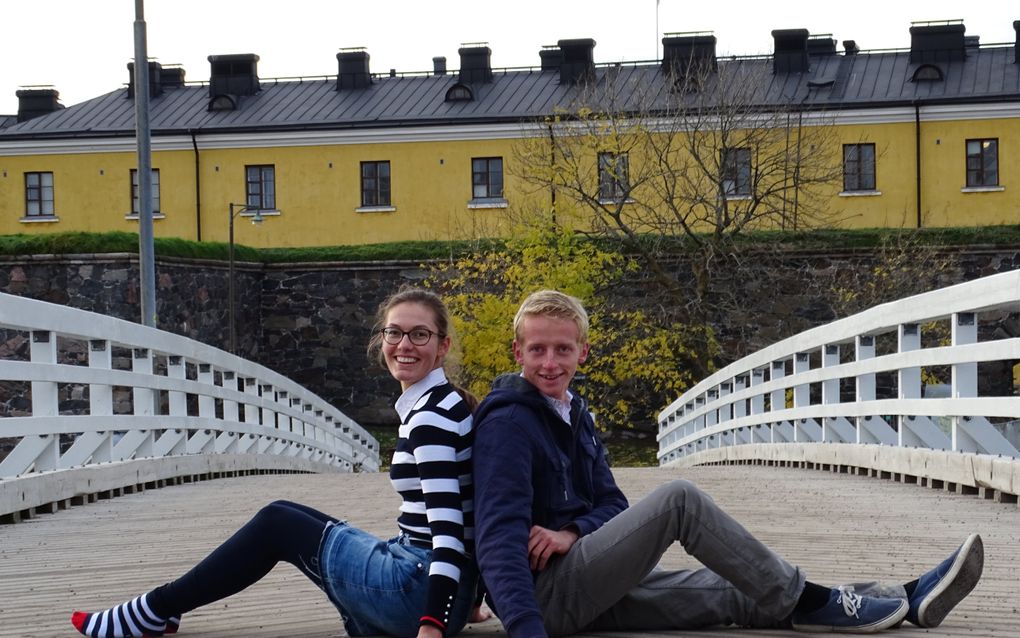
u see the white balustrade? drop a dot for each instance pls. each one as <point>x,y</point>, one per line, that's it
<point>193,409</point>
<point>789,393</point>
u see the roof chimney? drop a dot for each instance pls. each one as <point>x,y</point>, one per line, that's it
<point>850,47</point>
<point>551,57</point>
<point>821,44</point>
<point>171,77</point>
<point>937,41</point>
<point>231,77</point>
<point>475,63</point>
<point>354,73</point>
<point>684,52</point>
<point>155,79</point>
<point>1016,47</point>
<point>439,65</point>
<point>34,103</point>
<point>791,51</point>
<point>578,64</point>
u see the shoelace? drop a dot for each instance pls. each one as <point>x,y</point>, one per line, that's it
<point>851,602</point>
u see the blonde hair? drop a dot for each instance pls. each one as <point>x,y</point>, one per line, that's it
<point>552,303</point>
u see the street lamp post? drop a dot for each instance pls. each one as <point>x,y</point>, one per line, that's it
<point>235,210</point>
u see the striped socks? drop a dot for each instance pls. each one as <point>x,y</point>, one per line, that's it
<point>133,619</point>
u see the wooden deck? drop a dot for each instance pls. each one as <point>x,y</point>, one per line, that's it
<point>838,527</point>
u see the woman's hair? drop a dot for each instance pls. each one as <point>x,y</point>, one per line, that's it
<point>552,303</point>
<point>440,314</point>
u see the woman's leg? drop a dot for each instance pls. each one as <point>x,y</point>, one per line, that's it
<point>281,531</point>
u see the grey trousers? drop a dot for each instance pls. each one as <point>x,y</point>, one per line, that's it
<point>609,579</point>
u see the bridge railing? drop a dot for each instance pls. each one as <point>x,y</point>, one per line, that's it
<point>913,374</point>
<point>107,404</point>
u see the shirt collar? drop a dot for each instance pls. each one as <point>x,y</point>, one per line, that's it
<point>412,395</point>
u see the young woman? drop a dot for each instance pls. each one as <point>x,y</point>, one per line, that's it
<point>420,583</point>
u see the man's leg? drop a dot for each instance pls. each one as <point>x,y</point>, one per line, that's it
<point>601,568</point>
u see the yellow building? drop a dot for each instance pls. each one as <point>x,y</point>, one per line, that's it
<point>925,136</point>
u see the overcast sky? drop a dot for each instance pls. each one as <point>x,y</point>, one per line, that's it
<point>82,48</point>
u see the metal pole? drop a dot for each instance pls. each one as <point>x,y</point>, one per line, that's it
<point>230,287</point>
<point>147,284</point>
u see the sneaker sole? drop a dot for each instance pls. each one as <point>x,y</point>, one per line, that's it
<point>960,580</point>
<point>875,627</point>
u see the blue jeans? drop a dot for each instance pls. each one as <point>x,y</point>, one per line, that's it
<point>380,587</point>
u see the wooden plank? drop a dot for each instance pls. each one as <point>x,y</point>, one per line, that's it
<point>837,527</point>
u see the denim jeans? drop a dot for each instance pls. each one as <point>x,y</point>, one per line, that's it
<point>380,587</point>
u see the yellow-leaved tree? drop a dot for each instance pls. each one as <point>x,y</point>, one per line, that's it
<point>636,365</point>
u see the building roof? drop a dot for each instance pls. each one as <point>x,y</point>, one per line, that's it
<point>846,80</point>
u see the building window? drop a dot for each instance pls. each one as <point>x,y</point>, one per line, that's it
<point>614,181</point>
<point>858,167</point>
<point>983,162</point>
<point>487,178</point>
<point>375,184</point>
<point>736,172</point>
<point>38,194</point>
<point>135,208</point>
<point>260,186</point>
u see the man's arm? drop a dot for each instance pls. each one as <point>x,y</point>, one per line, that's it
<point>608,500</point>
<point>503,458</point>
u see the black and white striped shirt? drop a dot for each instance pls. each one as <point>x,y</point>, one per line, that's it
<point>431,470</point>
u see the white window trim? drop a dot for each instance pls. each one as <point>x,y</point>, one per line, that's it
<point>155,215</point>
<point>488,202</point>
<point>268,212</point>
<point>375,209</point>
<point>615,200</point>
<point>39,219</point>
<point>861,193</point>
<point>982,189</point>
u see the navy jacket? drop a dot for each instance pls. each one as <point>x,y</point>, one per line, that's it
<point>532,468</point>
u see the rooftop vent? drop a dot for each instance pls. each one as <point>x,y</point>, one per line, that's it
<point>354,73</point>
<point>683,53</point>
<point>475,63</point>
<point>232,77</point>
<point>439,65</point>
<point>155,79</point>
<point>850,47</point>
<point>941,41</point>
<point>821,44</point>
<point>35,102</point>
<point>578,64</point>
<point>791,54</point>
<point>551,57</point>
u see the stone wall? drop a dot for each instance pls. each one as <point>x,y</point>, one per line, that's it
<point>311,322</point>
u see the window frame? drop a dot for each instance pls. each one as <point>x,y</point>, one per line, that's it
<point>855,169</point>
<point>260,188</point>
<point>135,200</point>
<point>376,185</point>
<point>40,199</point>
<point>491,192</point>
<point>614,176</point>
<point>731,163</point>
<point>977,177</point>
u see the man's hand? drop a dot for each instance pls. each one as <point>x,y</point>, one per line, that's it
<point>544,543</point>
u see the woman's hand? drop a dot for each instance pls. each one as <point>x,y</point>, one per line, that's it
<point>429,631</point>
<point>478,614</point>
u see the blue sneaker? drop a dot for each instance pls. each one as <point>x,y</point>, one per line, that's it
<point>850,613</point>
<point>939,590</point>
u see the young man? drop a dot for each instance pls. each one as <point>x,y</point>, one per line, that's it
<point>561,551</point>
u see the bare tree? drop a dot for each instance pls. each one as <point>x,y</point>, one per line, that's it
<point>682,163</point>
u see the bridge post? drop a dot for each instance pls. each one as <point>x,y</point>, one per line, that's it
<point>95,445</point>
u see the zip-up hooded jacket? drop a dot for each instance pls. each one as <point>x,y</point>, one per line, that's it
<point>532,468</point>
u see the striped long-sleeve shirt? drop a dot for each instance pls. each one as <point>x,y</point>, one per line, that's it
<point>431,470</point>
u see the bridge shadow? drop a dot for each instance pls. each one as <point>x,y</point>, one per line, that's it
<point>837,527</point>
